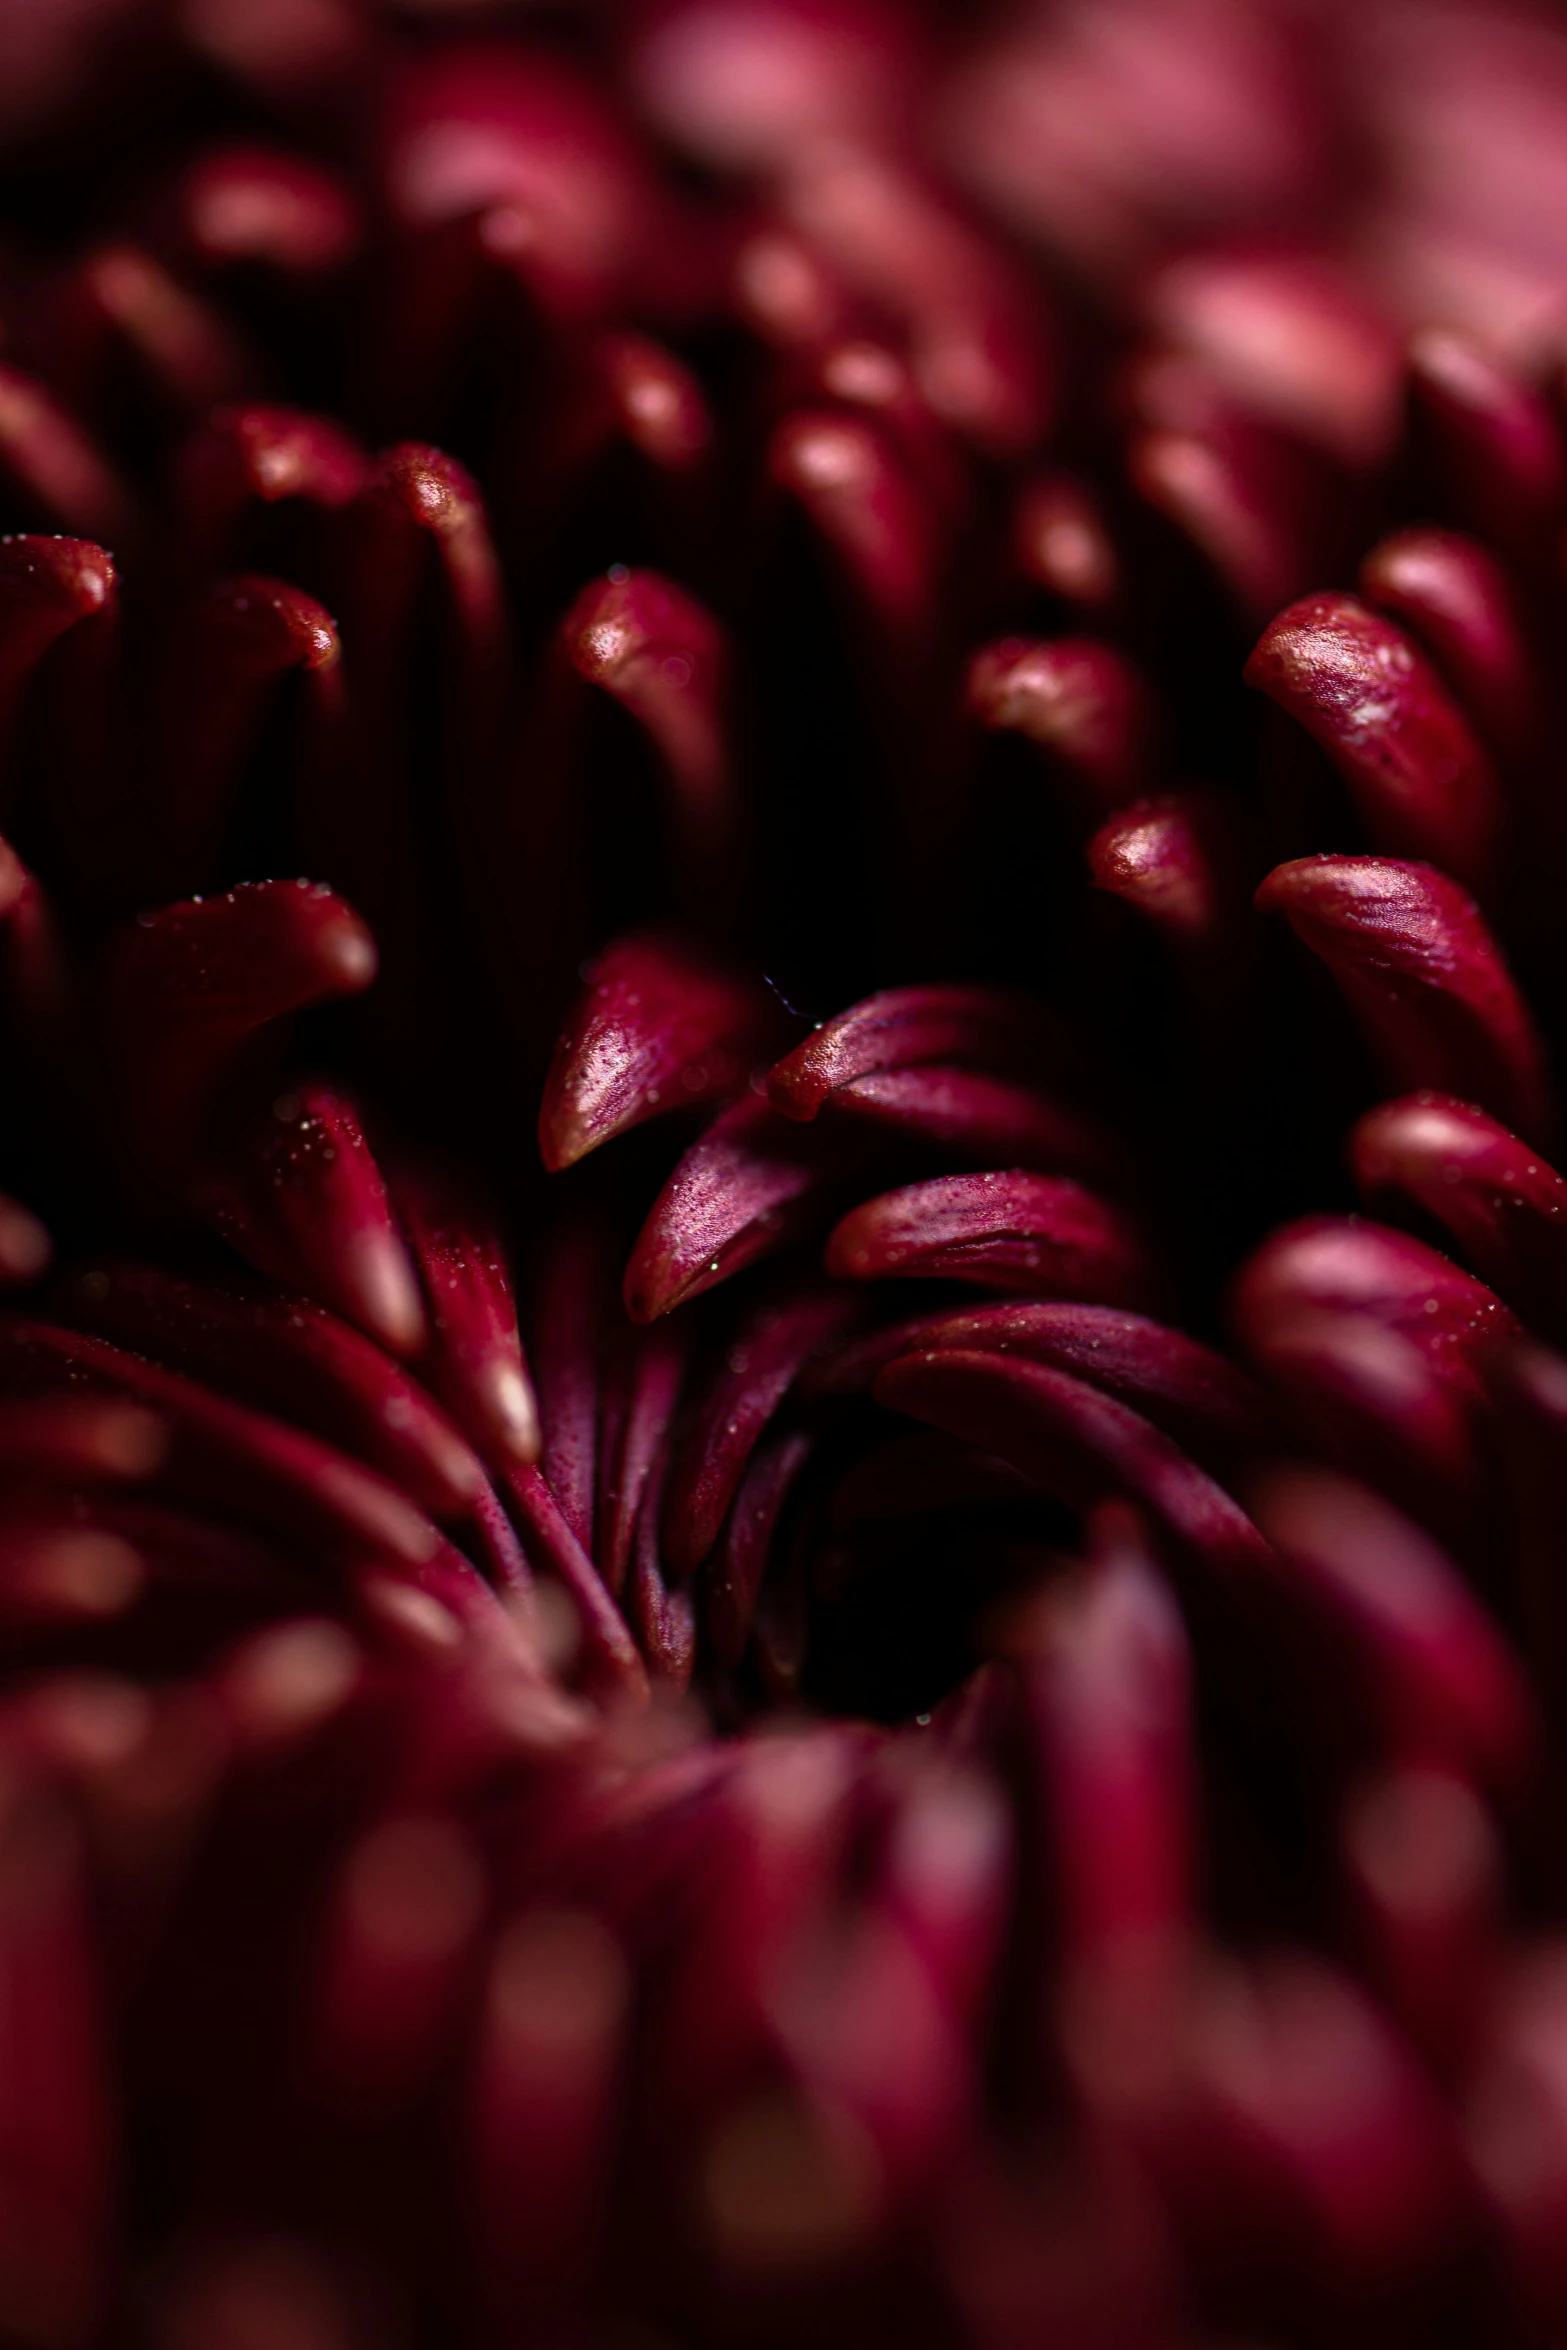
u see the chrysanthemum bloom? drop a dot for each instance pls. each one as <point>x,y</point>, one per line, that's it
<point>783,1409</point>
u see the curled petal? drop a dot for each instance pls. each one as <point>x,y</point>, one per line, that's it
<point>1425,1862</point>
<point>1502,1202</point>
<point>974,1116</point>
<point>1362,689</point>
<point>518,138</point>
<point>905,1027</point>
<point>301,1197</point>
<point>568,1340</point>
<point>183,989</point>
<point>661,656</point>
<point>47,585</point>
<point>1077,1443</point>
<point>610,1660</point>
<point>1371,1400</point>
<point>474,1357</point>
<point>222,664</point>
<point>542,2108</point>
<point>57,471</point>
<point>1196,1396</point>
<point>260,205</point>
<point>57,2163</point>
<point>1490,446</point>
<point>1079,700</point>
<point>120,312</point>
<point>290,1357</point>
<point>1425,978</point>
<point>1233,492</point>
<point>233,1463</point>
<point>868,506</point>
<point>635,1452</point>
<point>1457,599</point>
<point>1064,544</point>
<point>250,462</point>
<point>736,1568</point>
<point>1107,1671</point>
<point>656,1029</point>
<point>1444,1687</point>
<point>1333,1265</point>
<point>740,1192</point>
<point>760,1364</point>
<point>1038,1234</point>
<point>24,1243</point>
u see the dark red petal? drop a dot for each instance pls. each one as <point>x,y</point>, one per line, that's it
<point>866,502</point>
<point>1079,700</point>
<point>1504,1205</point>
<point>635,1452</point>
<point>474,1357</point>
<point>1368,695</point>
<point>611,1664</point>
<point>1076,1443</point>
<point>231,1462</point>
<point>47,585</point>
<point>973,1116</point>
<point>183,989</point>
<point>247,460</point>
<point>301,1197</point>
<point>1041,1235</point>
<point>1064,545</point>
<point>1426,1866</point>
<point>542,2109</point>
<point>290,1357</point>
<point>568,1341</point>
<point>1424,976</point>
<point>260,205</point>
<point>1106,1668</point>
<point>1334,1265</point>
<point>736,1568</point>
<point>24,1244</point>
<point>760,1364</point>
<point>1459,602</point>
<point>663,658</point>
<point>903,1027</point>
<point>740,1192</point>
<point>1237,497</point>
<point>60,475</point>
<point>1444,1685</point>
<point>1489,446</point>
<point>657,1028</point>
<point>222,661</point>
<point>1210,1408</point>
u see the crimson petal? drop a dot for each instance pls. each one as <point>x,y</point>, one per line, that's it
<point>905,1027</point>
<point>1502,1202</point>
<point>474,1359</point>
<point>183,989</point>
<point>1038,1234</point>
<point>1444,1685</point>
<point>1425,978</point>
<point>657,1028</point>
<point>1362,689</point>
<point>289,1357</point>
<point>301,1197</point>
<point>760,1364</point>
<point>741,1191</point>
<point>1079,700</point>
<point>1077,1443</point>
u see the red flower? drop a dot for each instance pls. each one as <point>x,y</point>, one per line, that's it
<point>735,1605</point>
